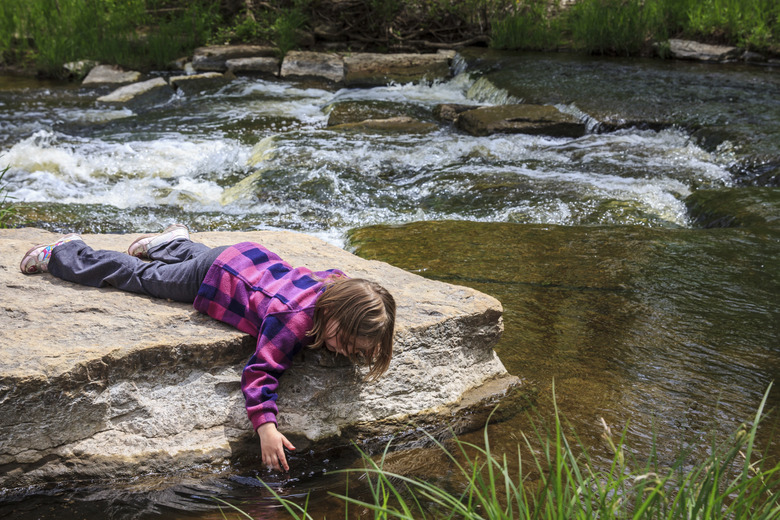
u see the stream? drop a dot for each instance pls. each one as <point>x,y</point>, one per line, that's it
<point>637,265</point>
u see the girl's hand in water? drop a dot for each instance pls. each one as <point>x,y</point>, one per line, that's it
<point>272,444</point>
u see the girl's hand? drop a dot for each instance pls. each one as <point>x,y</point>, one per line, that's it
<point>272,444</point>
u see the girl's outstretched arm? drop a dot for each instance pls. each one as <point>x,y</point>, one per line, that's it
<point>272,444</point>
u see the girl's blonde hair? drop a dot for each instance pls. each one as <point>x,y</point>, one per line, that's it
<point>360,309</point>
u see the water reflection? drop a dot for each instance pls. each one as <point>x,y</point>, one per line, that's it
<point>667,332</point>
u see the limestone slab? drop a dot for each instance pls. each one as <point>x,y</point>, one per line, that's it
<point>368,69</point>
<point>195,83</point>
<point>258,65</point>
<point>319,65</point>
<point>691,50</point>
<point>215,57</point>
<point>102,384</point>
<point>139,95</point>
<point>521,118</point>
<point>102,74</point>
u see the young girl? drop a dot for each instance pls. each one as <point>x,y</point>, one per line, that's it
<point>251,288</point>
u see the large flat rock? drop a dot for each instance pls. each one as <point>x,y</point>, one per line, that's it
<point>97,383</point>
<point>520,119</point>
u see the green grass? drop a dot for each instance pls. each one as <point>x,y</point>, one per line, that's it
<point>560,481</point>
<point>630,27</point>
<point>7,208</point>
<point>54,32</point>
<point>529,27</point>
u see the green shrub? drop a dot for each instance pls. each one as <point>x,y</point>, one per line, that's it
<point>287,27</point>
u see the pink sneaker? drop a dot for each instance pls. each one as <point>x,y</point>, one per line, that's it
<point>140,246</point>
<point>36,260</point>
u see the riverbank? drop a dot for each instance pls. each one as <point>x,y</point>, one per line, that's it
<point>151,34</point>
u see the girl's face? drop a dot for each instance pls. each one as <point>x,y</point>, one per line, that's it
<point>360,348</point>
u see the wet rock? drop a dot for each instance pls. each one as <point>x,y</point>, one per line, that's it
<point>80,68</point>
<point>690,50</point>
<point>196,83</point>
<point>317,65</point>
<point>399,125</point>
<point>342,112</point>
<point>522,119</point>
<point>757,171</point>
<point>753,57</point>
<point>214,58</point>
<point>369,69</point>
<point>450,111</point>
<point>101,384</point>
<point>257,65</point>
<point>103,74</point>
<point>735,207</point>
<point>139,95</point>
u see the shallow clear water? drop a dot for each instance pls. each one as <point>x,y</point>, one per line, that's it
<point>609,287</point>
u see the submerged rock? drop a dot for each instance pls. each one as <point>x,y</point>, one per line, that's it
<point>102,74</point>
<point>520,119</point>
<point>355,111</point>
<point>102,384</point>
<point>691,50</point>
<point>735,207</point>
<point>139,95</point>
<point>400,125</point>
<point>450,111</point>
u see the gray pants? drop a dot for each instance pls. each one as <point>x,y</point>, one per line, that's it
<point>176,269</point>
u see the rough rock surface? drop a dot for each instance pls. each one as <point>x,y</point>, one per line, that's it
<point>395,125</point>
<point>97,383</point>
<point>378,69</point>
<point>79,68</point>
<point>196,83</point>
<point>319,65</point>
<point>138,95</point>
<point>256,65</point>
<point>102,74</point>
<point>215,57</point>
<point>690,50</point>
<point>450,111</point>
<point>520,119</point>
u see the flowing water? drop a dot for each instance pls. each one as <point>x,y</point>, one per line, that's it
<point>612,286</point>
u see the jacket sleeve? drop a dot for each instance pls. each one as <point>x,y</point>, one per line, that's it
<point>281,336</point>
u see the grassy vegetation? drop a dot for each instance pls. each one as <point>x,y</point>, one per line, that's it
<point>133,33</point>
<point>561,482</point>
<point>7,208</point>
<point>629,27</point>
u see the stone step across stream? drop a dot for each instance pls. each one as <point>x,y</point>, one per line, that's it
<point>102,384</point>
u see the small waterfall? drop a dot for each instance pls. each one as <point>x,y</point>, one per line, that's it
<point>485,92</point>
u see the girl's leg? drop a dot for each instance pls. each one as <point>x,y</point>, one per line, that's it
<point>76,262</point>
<point>175,251</point>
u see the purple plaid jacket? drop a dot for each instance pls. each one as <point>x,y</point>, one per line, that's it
<point>257,292</point>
